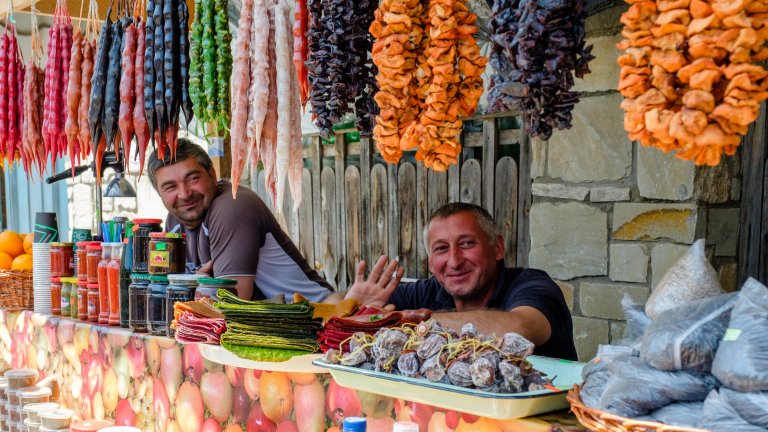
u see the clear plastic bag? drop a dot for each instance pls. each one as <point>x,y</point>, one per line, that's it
<point>687,414</point>
<point>719,416</point>
<point>691,278</point>
<point>687,337</point>
<point>592,391</point>
<point>606,354</point>
<point>741,362</point>
<point>752,406</point>
<point>637,321</point>
<point>636,388</point>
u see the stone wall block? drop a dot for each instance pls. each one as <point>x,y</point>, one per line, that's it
<point>636,221</point>
<point>628,263</point>
<point>569,240</point>
<point>603,300</point>
<point>609,194</point>
<point>568,292</point>
<point>723,230</point>
<point>596,147</point>
<point>588,333</point>
<point>663,176</point>
<point>604,71</point>
<point>559,190</point>
<point>538,158</point>
<point>663,257</point>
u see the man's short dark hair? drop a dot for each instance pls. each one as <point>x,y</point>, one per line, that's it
<point>484,219</point>
<point>185,149</point>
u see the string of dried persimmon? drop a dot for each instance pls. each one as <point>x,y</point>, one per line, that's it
<point>688,74</point>
<point>430,71</point>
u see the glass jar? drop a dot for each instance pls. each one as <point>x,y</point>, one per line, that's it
<point>62,259</point>
<point>93,302</point>
<point>66,295</point>
<point>167,253</point>
<point>181,288</point>
<point>207,287</point>
<point>157,323</point>
<point>74,299</point>
<point>137,302</point>
<point>81,263</point>
<point>113,283</point>
<point>141,231</point>
<point>56,296</point>
<point>92,262</point>
<point>106,255</point>
<point>82,300</point>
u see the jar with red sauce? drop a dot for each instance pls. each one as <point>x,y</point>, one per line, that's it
<point>106,256</point>
<point>113,283</point>
<point>82,300</point>
<point>81,267</point>
<point>62,259</point>
<point>93,302</point>
<point>55,296</point>
<point>92,262</point>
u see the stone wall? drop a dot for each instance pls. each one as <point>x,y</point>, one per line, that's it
<point>609,217</point>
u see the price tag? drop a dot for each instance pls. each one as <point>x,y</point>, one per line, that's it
<point>732,334</point>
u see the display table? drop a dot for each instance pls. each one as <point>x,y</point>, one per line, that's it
<point>157,384</point>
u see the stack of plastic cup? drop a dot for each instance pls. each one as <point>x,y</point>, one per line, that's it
<point>41,276</point>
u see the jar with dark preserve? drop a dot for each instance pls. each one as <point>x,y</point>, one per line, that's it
<point>141,231</point>
<point>82,300</point>
<point>167,253</point>
<point>56,296</point>
<point>207,287</point>
<point>138,292</point>
<point>181,288</point>
<point>106,255</point>
<point>157,323</point>
<point>92,262</point>
<point>93,302</point>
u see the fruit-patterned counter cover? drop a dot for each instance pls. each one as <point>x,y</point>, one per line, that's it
<point>156,384</point>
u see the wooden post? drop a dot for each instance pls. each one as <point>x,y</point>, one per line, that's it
<point>365,184</point>
<point>341,234</point>
<point>490,142</point>
<point>393,213</point>
<point>524,203</point>
<point>317,167</point>
<point>752,253</point>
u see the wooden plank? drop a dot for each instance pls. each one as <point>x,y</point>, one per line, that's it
<point>353,227</point>
<point>490,142</point>
<point>409,235</point>
<point>365,186</point>
<point>393,214</point>
<point>350,149</point>
<point>753,158</point>
<point>438,190</point>
<point>505,200</point>
<point>379,201</point>
<point>506,137</point>
<point>341,235</point>
<point>330,226</point>
<point>762,274</point>
<point>524,202</point>
<point>454,185</point>
<point>422,214</point>
<point>317,190</point>
<point>471,183</point>
<point>306,242</point>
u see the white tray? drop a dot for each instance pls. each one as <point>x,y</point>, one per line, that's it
<point>485,404</point>
<point>303,364</point>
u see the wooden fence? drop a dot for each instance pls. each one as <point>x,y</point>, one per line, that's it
<point>357,207</point>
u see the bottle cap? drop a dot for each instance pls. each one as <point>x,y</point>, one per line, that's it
<point>354,424</point>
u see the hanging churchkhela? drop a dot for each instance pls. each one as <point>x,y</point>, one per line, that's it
<point>57,82</point>
<point>11,95</point>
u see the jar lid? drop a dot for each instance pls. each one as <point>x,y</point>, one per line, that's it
<point>185,277</point>
<point>158,278</point>
<point>90,425</point>
<point>55,280</point>
<point>216,281</point>
<point>34,391</point>
<point>57,414</point>
<point>148,221</point>
<point>69,280</point>
<point>161,235</point>
<point>62,244</point>
<point>139,276</point>
<point>14,374</point>
<point>82,283</point>
<point>92,285</point>
<point>94,247</point>
<point>112,244</point>
<point>40,406</point>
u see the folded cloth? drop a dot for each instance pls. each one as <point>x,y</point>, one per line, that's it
<point>190,328</point>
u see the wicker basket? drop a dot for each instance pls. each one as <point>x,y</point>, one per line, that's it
<point>601,421</point>
<point>16,290</point>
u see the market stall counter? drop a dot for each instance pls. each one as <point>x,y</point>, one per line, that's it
<point>157,384</point>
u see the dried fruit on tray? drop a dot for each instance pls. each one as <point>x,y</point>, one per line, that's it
<point>427,350</point>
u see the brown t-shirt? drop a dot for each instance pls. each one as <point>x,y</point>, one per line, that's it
<point>242,238</point>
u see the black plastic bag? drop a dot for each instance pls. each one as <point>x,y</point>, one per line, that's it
<point>686,337</point>
<point>752,407</point>
<point>741,362</point>
<point>687,414</point>
<point>719,416</point>
<point>636,388</point>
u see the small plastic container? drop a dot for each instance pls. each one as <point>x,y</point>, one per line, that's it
<point>56,419</point>
<point>12,426</point>
<point>20,378</point>
<point>13,412</point>
<point>89,425</point>
<point>31,426</point>
<point>3,387</point>
<point>21,427</point>
<point>208,287</point>
<point>34,394</point>
<point>32,411</point>
<point>12,399</point>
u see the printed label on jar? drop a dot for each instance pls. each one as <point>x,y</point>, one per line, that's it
<point>159,259</point>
